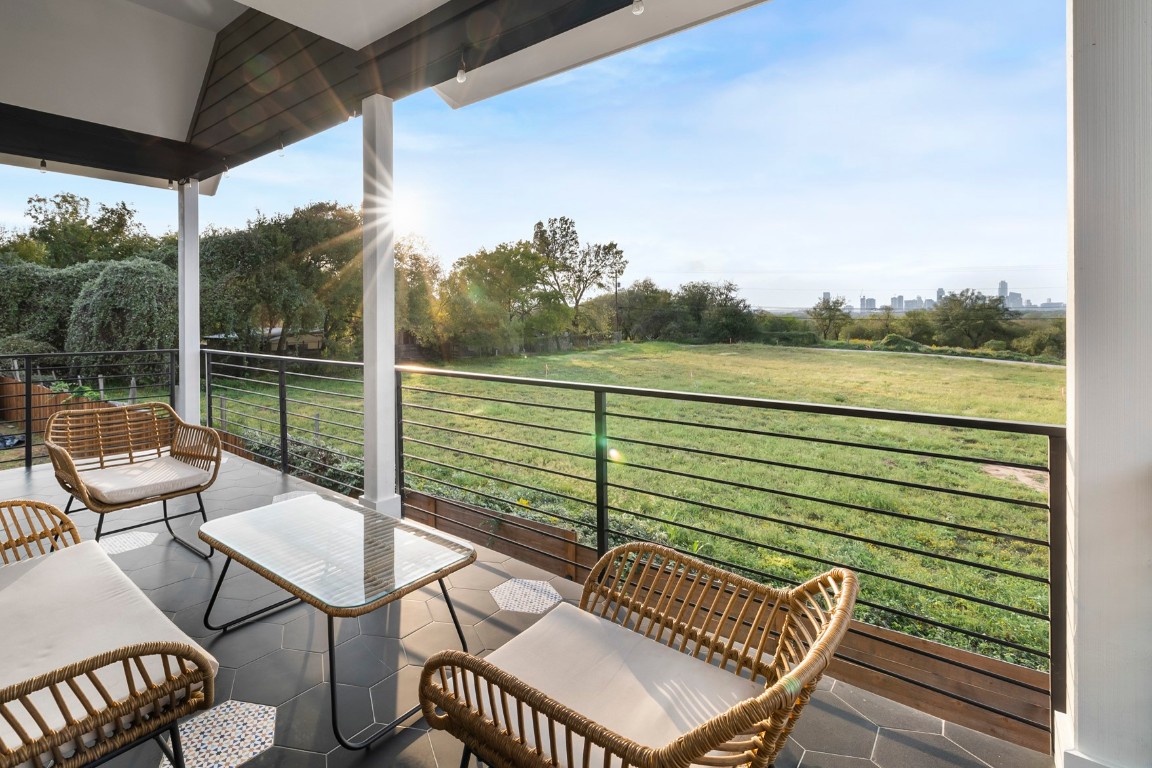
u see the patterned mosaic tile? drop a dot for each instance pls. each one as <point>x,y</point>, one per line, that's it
<point>525,596</point>
<point>126,542</point>
<point>227,735</point>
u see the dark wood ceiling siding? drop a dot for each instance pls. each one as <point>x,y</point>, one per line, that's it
<point>271,85</point>
<point>56,139</point>
<point>405,63</point>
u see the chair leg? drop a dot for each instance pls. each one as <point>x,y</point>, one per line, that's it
<point>467,753</point>
<point>177,747</point>
<point>68,506</point>
<point>180,541</point>
<point>174,751</point>
<point>99,524</point>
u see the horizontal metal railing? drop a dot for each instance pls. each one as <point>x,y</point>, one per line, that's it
<point>304,416</point>
<point>918,504</point>
<point>952,557</point>
<point>33,387</point>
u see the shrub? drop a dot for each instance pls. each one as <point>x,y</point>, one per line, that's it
<point>23,344</point>
<point>791,338</point>
<point>131,305</point>
<point>896,343</point>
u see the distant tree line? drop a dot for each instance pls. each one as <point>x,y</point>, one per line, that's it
<point>966,319</point>
<point>79,280</point>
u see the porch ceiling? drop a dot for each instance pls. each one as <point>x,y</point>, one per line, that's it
<point>151,90</point>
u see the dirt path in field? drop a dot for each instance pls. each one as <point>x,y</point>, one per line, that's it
<point>1035,480</point>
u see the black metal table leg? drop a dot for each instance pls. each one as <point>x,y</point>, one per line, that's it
<point>387,729</point>
<point>246,617</point>
<point>452,612</point>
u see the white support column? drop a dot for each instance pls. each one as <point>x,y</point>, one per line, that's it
<point>188,267</point>
<point>1109,718</point>
<point>380,492</point>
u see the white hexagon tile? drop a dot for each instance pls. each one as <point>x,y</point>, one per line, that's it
<point>227,735</point>
<point>525,596</point>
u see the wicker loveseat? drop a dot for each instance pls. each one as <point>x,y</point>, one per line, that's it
<point>126,456</point>
<point>668,661</point>
<point>91,667</point>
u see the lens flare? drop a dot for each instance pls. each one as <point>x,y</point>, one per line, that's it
<point>615,455</point>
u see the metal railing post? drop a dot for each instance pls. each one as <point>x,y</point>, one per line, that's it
<point>285,463</point>
<point>27,412</point>
<point>601,417</point>
<point>208,383</point>
<point>1058,570</point>
<point>172,378</point>
<point>399,435</point>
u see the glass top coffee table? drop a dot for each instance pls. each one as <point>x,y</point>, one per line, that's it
<point>342,561</point>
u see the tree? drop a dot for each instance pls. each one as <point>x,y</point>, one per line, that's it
<point>510,276</point>
<point>131,305</point>
<point>645,310</point>
<point>64,232</point>
<point>571,270</point>
<point>918,326</point>
<point>419,309</point>
<point>970,318</point>
<point>829,316</point>
<point>730,320</point>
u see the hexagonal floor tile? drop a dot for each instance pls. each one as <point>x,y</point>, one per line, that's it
<point>905,749</point>
<point>227,735</point>
<point>827,725</point>
<point>245,644</point>
<point>434,637</point>
<point>525,596</point>
<point>126,542</point>
<point>478,576</point>
<point>278,677</point>
<point>472,606</point>
<point>305,722</point>
<point>310,632</point>
<point>885,712</point>
<point>397,619</point>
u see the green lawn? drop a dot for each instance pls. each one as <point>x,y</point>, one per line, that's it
<point>702,487</point>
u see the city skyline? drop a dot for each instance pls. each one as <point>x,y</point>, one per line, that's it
<point>901,303</point>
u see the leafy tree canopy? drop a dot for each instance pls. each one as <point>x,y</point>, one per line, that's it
<point>829,316</point>
<point>64,232</point>
<point>131,305</point>
<point>971,319</point>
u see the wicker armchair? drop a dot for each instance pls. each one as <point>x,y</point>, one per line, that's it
<point>123,673</point>
<point>120,457</point>
<point>669,662</point>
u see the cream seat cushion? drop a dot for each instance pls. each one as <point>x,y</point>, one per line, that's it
<point>634,686</point>
<point>126,483</point>
<point>65,607</point>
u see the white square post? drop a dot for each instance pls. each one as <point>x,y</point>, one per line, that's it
<point>188,268</point>
<point>1109,546</point>
<point>380,492</point>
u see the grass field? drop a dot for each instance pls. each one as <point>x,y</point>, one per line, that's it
<point>719,488</point>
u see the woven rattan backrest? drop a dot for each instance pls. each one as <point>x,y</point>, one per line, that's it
<point>32,528</point>
<point>685,604</point>
<point>114,436</point>
<point>810,610</point>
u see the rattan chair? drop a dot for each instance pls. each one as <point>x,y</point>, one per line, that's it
<point>669,662</point>
<point>126,456</point>
<point>104,697</point>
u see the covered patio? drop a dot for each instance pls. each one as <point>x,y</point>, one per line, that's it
<point>174,94</point>
<point>272,689</point>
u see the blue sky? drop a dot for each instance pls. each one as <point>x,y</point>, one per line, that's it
<point>855,146</point>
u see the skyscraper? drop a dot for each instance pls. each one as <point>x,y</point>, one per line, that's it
<point>1003,292</point>
<point>939,294</point>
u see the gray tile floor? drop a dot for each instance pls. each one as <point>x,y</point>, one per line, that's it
<point>281,660</point>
